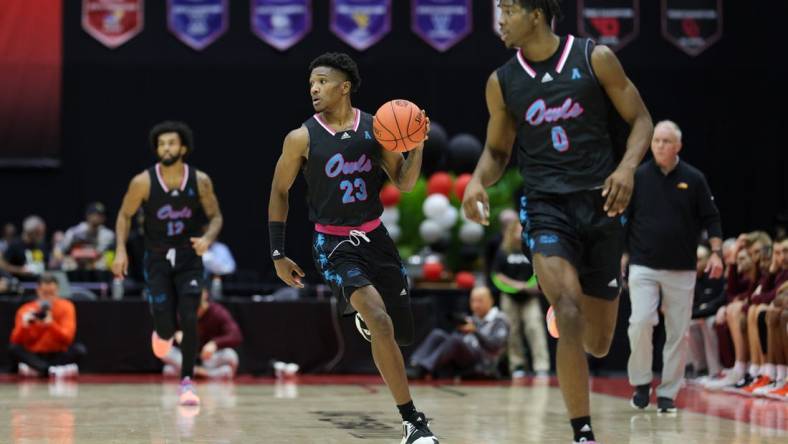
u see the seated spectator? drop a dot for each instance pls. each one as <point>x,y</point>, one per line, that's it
<point>709,297</point>
<point>8,236</point>
<point>742,280</point>
<point>85,245</point>
<point>26,257</point>
<point>513,275</point>
<point>42,342</point>
<point>218,334</point>
<point>475,347</point>
<point>9,285</point>
<point>777,321</point>
<point>762,350</point>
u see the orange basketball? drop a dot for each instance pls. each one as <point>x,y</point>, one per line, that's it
<point>399,125</point>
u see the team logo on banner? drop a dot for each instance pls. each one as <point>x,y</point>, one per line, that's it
<point>360,23</point>
<point>692,25</point>
<point>441,23</point>
<point>198,23</point>
<point>281,23</point>
<point>112,22</point>
<point>610,22</point>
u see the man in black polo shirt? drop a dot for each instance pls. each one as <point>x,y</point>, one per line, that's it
<point>670,206</point>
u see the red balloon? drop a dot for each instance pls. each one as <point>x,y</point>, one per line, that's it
<point>432,271</point>
<point>389,195</point>
<point>439,182</point>
<point>460,183</point>
<point>465,279</point>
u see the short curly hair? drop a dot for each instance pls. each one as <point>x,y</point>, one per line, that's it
<point>183,130</point>
<point>550,8</point>
<point>342,62</point>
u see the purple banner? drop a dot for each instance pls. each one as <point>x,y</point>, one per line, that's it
<point>692,25</point>
<point>281,23</point>
<point>360,23</point>
<point>441,23</point>
<point>198,23</point>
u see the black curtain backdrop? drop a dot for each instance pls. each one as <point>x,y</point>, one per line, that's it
<point>242,96</point>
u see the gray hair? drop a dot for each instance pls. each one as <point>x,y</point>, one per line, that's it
<point>31,223</point>
<point>672,125</point>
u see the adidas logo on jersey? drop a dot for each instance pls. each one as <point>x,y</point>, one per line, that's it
<point>613,283</point>
<point>345,135</point>
<point>193,283</point>
<point>403,292</point>
<point>275,253</point>
<point>547,78</point>
<point>174,193</point>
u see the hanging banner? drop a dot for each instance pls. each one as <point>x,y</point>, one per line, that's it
<point>360,23</point>
<point>281,23</point>
<point>112,22</point>
<point>441,23</point>
<point>692,25</point>
<point>198,23</point>
<point>614,23</point>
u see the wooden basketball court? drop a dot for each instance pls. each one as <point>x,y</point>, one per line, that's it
<point>349,409</point>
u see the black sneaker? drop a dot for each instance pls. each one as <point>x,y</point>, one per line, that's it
<point>640,398</point>
<point>418,431</point>
<point>744,382</point>
<point>665,405</point>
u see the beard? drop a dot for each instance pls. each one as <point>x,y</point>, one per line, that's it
<point>167,161</point>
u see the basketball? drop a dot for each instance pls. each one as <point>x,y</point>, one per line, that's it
<point>399,125</point>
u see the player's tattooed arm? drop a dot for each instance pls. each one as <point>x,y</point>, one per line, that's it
<point>210,205</point>
<point>501,131</point>
<point>138,191</point>
<point>405,172</point>
<point>629,104</point>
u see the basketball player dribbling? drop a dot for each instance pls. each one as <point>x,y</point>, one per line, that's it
<point>553,97</point>
<point>345,167</point>
<point>176,200</point>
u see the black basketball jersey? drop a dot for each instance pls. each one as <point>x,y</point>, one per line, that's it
<point>562,114</point>
<point>343,173</point>
<point>172,216</point>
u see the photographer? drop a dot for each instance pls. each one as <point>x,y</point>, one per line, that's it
<point>42,342</point>
<point>476,345</point>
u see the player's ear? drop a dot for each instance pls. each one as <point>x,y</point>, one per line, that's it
<point>347,86</point>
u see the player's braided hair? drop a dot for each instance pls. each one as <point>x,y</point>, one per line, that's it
<point>550,8</point>
<point>341,62</point>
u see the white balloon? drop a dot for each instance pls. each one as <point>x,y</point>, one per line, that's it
<point>435,205</point>
<point>395,232</point>
<point>448,218</point>
<point>471,232</point>
<point>430,231</point>
<point>390,216</point>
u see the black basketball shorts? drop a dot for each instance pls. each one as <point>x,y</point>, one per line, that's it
<point>575,227</point>
<point>348,263</point>
<point>172,273</point>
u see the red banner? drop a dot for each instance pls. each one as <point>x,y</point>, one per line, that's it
<point>31,56</point>
<point>112,22</point>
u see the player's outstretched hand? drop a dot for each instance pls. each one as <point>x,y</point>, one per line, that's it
<point>476,203</point>
<point>618,190</point>
<point>200,245</point>
<point>289,272</point>
<point>120,266</point>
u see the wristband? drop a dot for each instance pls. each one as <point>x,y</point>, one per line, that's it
<point>276,237</point>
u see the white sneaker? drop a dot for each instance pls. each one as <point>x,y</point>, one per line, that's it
<point>27,371</point>
<point>728,380</point>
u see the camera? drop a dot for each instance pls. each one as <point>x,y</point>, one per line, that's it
<point>42,311</point>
